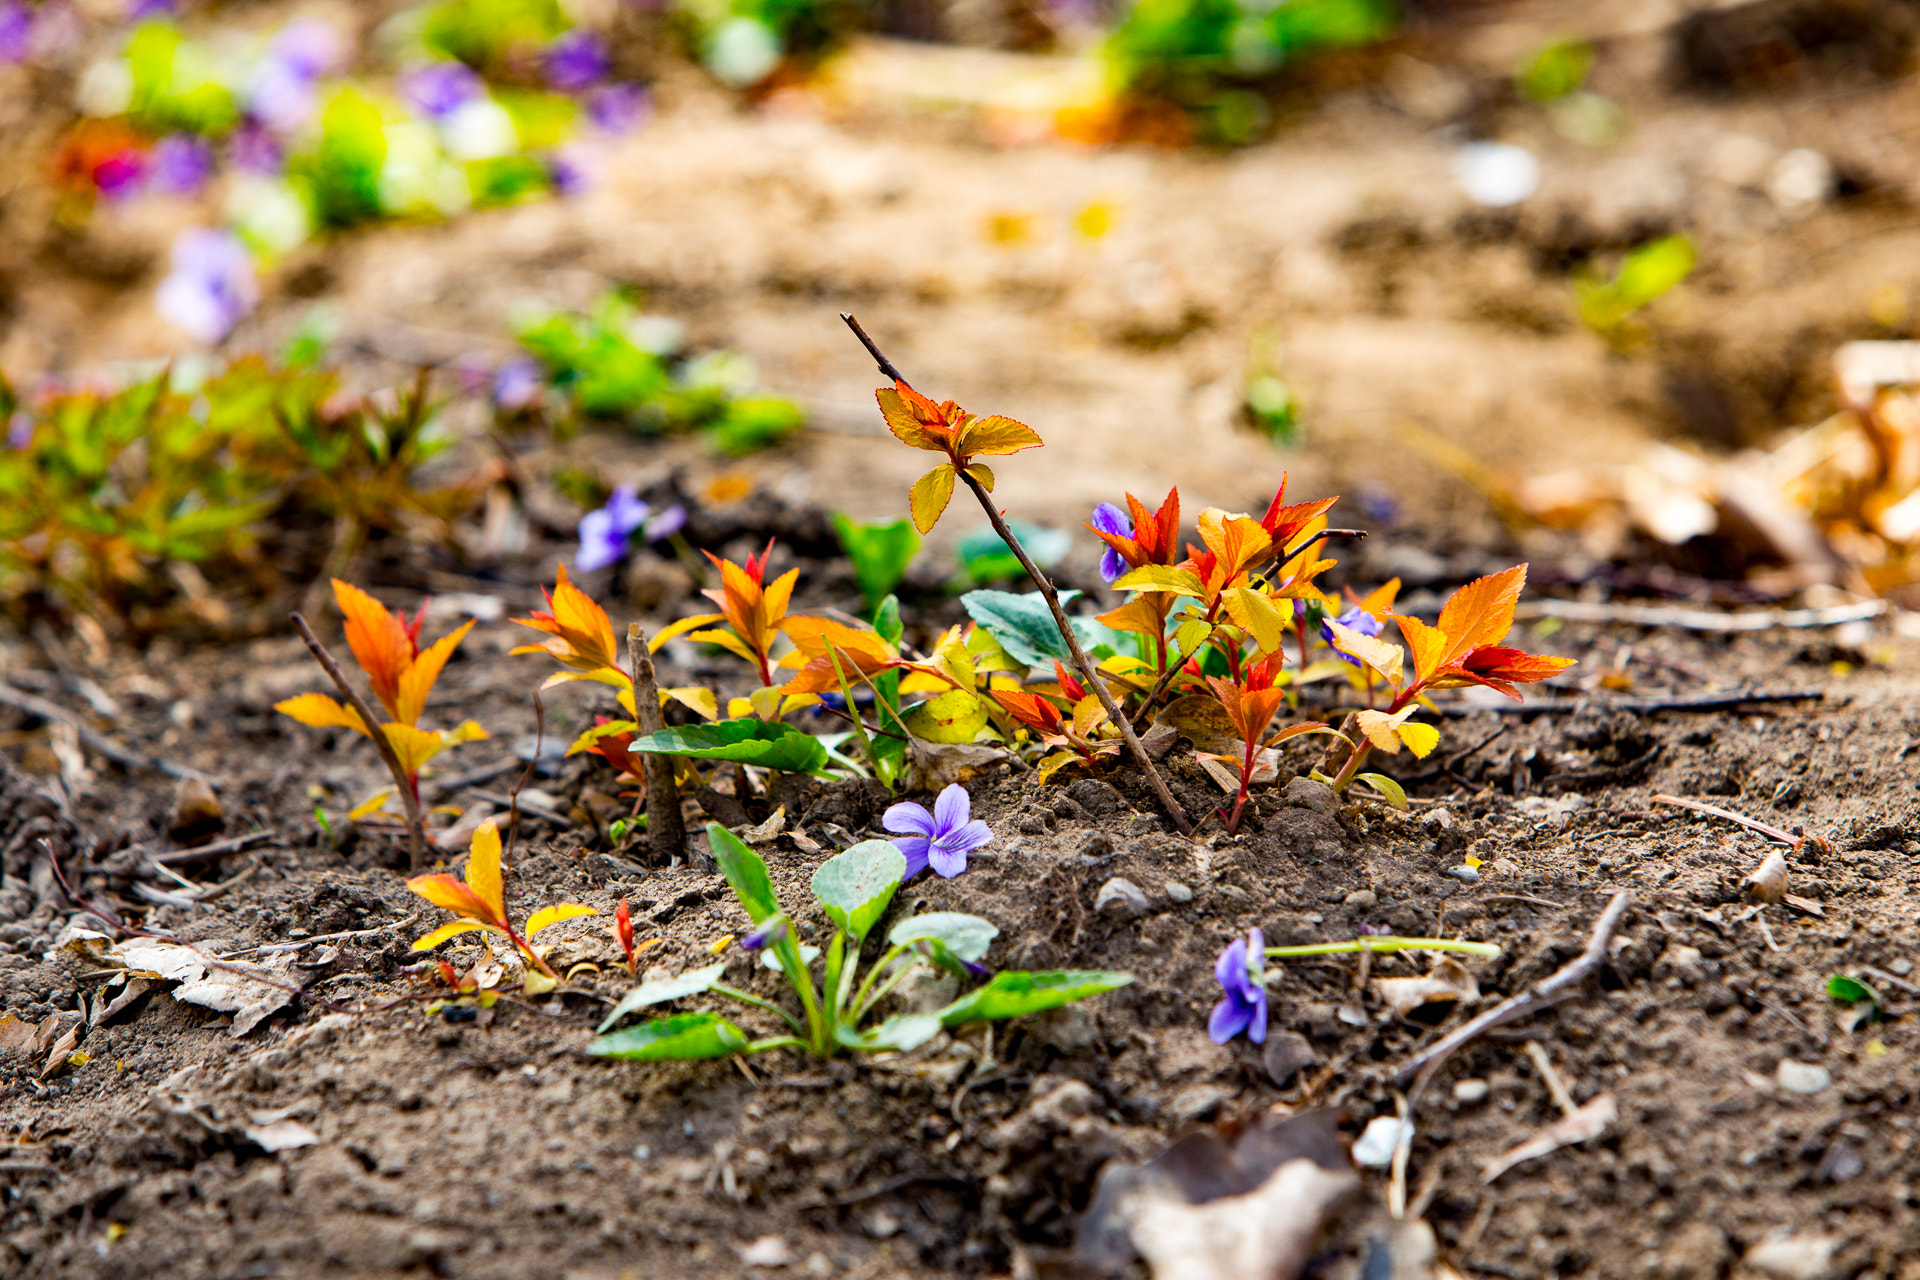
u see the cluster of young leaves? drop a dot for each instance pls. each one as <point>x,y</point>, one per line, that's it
<point>386,644</point>
<point>854,889</point>
<point>478,901</point>
<point>100,490</point>
<point>614,364</point>
<point>1212,58</point>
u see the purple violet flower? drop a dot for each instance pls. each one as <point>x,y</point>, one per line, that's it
<point>576,60</point>
<point>941,839</point>
<point>574,170</point>
<point>765,934</point>
<point>1242,972</point>
<point>438,90</point>
<point>252,149</point>
<point>212,284</point>
<point>145,10</point>
<point>607,535</point>
<point>1357,619</point>
<point>19,430</point>
<point>516,384</point>
<point>16,31</point>
<point>181,164</point>
<point>281,93</point>
<point>618,109</point>
<point>1108,518</point>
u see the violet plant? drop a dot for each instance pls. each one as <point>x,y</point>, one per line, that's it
<point>854,889</point>
<point>941,839</point>
<point>609,533</point>
<point>1241,972</point>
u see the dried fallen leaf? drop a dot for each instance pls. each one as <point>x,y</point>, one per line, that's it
<point>768,831</point>
<point>17,1036</point>
<point>57,1056</point>
<point>1768,883</point>
<point>1449,983</point>
<point>1579,1125</point>
<point>938,764</point>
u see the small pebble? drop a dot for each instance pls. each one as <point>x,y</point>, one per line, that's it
<point>1900,968</point>
<point>1470,1091</point>
<point>1120,897</point>
<point>1374,1150</point>
<point>1177,892</point>
<point>1363,899</point>
<point>1463,873</point>
<point>1790,1257</point>
<point>1438,819</point>
<point>1802,1077</point>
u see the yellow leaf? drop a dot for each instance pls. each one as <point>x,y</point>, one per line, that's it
<point>537,982</point>
<point>555,914</point>
<point>954,716</point>
<point>703,702</point>
<point>483,870</point>
<point>1138,615</point>
<point>1189,636</point>
<point>1053,764</point>
<point>720,944</point>
<point>1161,577</point>
<point>981,472</point>
<point>1379,728</point>
<point>372,804</point>
<point>453,929</point>
<point>1383,657</point>
<point>930,495</point>
<point>997,435</point>
<point>321,712</point>
<point>727,640</point>
<point>987,654</point>
<point>679,628</point>
<point>1472,861</point>
<point>909,426</point>
<point>1088,715</point>
<point>1256,615</point>
<point>1420,738</point>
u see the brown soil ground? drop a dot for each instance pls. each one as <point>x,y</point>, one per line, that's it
<point>492,1147</point>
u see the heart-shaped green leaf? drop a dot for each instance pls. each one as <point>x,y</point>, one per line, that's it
<point>748,740</point>
<point>680,1038</point>
<point>1012,994</point>
<point>855,886</point>
<point>745,871</point>
<point>691,983</point>
<point>966,936</point>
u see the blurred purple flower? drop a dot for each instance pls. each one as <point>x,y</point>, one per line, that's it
<point>212,284</point>
<point>19,431</point>
<point>1108,518</point>
<point>281,93</point>
<point>1359,620</point>
<point>576,60</point>
<point>767,933</point>
<point>941,839</point>
<point>607,535</point>
<point>1379,505</point>
<point>574,170</point>
<point>181,164</point>
<point>16,31</point>
<point>252,149</point>
<point>618,109</point>
<point>1241,972</point>
<point>438,90</point>
<point>308,48</point>
<point>120,174</point>
<point>146,10</point>
<point>516,384</point>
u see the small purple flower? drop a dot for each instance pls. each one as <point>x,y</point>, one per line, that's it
<point>1356,619</point>
<point>1108,518</point>
<point>252,149</point>
<point>1242,973</point>
<point>516,384</point>
<point>767,933</point>
<point>574,170</point>
<point>439,90</point>
<point>941,839</point>
<point>618,109</point>
<point>607,535</point>
<point>146,10</point>
<point>16,31</point>
<point>19,431</point>
<point>308,48</point>
<point>576,60</point>
<point>281,93</point>
<point>212,284</point>
<point>181,164</point>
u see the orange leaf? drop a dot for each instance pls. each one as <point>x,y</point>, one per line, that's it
<point>483,870</point>
<point>416,682</point>
<point>1236,542</point>
<point>1501,669</point>
<point>322,712</point>
<point>930,495</point>
<point>916,420</point>
<point>1427,645</point>
<point>379,641</point>
<point>1481,613</point>
<point>995,435</point>
<point>1139,614</point>
<point>1030,709</point>
<point>443,890</point>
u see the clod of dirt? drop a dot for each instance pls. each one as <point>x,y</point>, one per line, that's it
<point>1204,1210</point>
<point>1285,1055</point>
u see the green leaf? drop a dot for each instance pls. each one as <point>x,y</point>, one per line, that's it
<point>1851,990</point>
<point>1022,624</point>
<point>1013,994</point>
<point>966,936</point>
<point>855,886</point>
<point>887,624</point>
<point>984,558</point>
<point>900,1033</point>
<point>680,1038</point>
<point>745,871</point>
<point>957,715</point>
<point>880,554</point>
<point>748,740</point>
<point>691,983</point>
<point>1395,794</point>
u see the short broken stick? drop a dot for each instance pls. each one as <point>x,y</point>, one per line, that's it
<point>666,833</point>
<point>416,825</point>
<point>1540,995</point>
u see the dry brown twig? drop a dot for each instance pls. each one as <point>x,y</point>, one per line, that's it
<point>666,831</point>
<point>416,825</point>
<point>1089,674</point>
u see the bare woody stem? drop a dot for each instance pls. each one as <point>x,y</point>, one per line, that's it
<point>416,826</point>
<point>1080,660</point>
<point>665,831</point>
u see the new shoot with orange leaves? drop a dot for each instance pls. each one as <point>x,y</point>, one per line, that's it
<point>479,899</point>
<point>949,429</point>
<point>386,644</point>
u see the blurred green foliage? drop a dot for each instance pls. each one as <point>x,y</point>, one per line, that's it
<point>176,84</point>
<point>880,554</point>
<point>607,364</point>
<point>1607,305</point>
<point>489,35</point>
<point>1211,56</point>
<point>1556,69</point>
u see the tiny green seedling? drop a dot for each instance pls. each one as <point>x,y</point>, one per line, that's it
<point>854,889</point>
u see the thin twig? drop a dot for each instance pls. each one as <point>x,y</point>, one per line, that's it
<point>1556,1088</point>
<point>1702,619</point>
<point>1536,997</point>
<point>666,830</point>
<point>1700,806</point>
<point>416,826</point>
<point>206,852</point>
<point>1088,673</point>
<point>1645,706</point>
<point>98,742</point>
